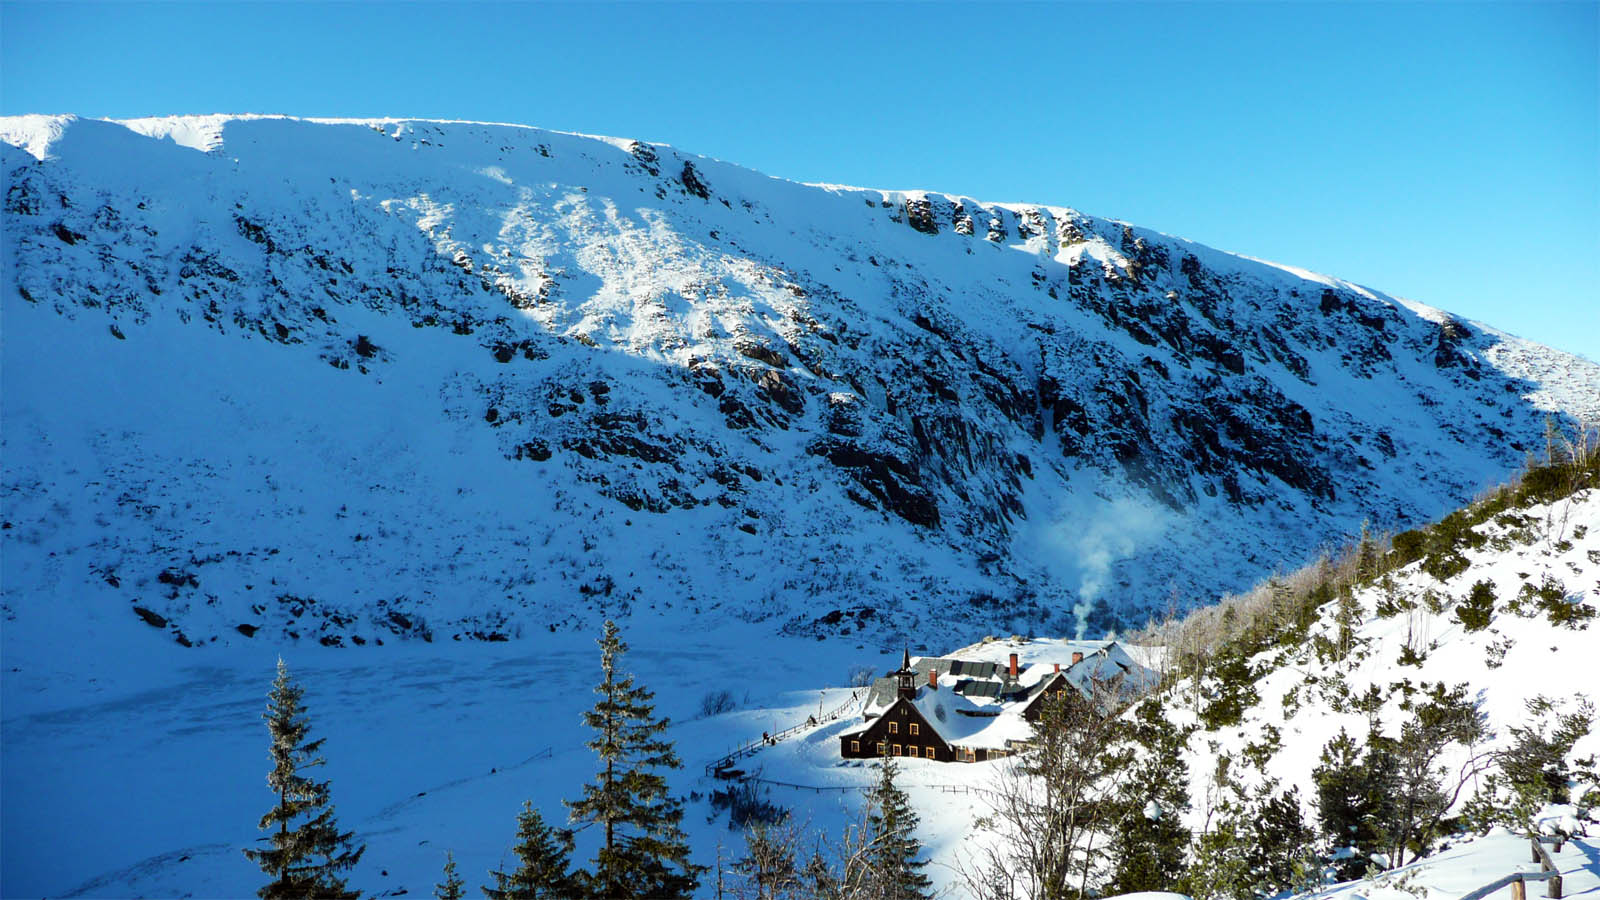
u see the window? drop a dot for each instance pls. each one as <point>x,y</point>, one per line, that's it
<point>894,727</point>
<point>855,746</point>
<point>896,749</point>
<point>911,750</point>
<point>928,752</point>
<point>914,728</point>
<point>880,748</point>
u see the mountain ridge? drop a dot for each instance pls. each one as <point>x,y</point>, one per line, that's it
<point>652,343</point>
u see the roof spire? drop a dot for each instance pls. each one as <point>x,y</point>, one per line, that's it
<point>905,663</point>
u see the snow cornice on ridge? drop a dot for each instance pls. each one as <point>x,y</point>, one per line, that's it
<point>36,133</point>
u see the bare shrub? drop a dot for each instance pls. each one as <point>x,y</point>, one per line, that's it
<point>715,703</point>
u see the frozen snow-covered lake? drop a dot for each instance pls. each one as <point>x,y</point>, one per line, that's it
<point>144,772</point>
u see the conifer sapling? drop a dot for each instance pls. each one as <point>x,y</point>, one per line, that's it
<point>543,869</point>
<point>453,887</point>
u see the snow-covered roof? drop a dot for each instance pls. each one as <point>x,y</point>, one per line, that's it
<point>946,710</point>
<point>981,672</point>
<point>979,703</point>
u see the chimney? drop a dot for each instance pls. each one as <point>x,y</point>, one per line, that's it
<point>1058,667</point>
<point>933,679</point>
<point>1077,657</point>
<point>1013,665</point>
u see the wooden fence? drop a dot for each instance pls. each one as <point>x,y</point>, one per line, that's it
<point>1548,872</point>
<point>722,763</point>
<point>824,788</point>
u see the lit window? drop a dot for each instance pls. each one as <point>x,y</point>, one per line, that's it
<point>928,753</point>
<point>914,728</point>
<point>880,748</point>
<point>855,746</point>
<point>894,727</point>
<point>911,750</point>
<point>896,749</point>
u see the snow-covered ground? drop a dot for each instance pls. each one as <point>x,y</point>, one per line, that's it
<point>491,379</point>
<point>1305,702</point>
<point>138,772</point>
<point>133,772</point>
<point>1521,655</point>
<point>409,388</point>
<point>1474,863</point>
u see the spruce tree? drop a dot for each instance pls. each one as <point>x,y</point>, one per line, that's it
<point>1347,616</point>
<point>1148,838</point>
<point>1424,789</point>
<point>643,852</point>
<point>892,845</point>
<point>304,860</point>
<point>453,887</point>
<point>1353,797</point>
<point>1368,559</point>
<point>543,869</point>
<point>819,878</point>
<point>1257,846</point>
<point>1535,767</point>
<point>1279,839</point>
<point>771,868</point>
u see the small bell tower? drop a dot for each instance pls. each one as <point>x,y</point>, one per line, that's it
<point>907,677</point>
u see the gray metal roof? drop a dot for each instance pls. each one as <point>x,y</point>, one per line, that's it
<point>979,679</point>
<point>995,691</point>
<point>978,688</point>
<point>972,669</point>
<point>886,689</point>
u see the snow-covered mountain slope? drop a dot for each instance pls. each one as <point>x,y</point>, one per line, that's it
<point>434,747</point>
<point>354,381</point>
<point>1541,564</point>
<point>1503,620</point>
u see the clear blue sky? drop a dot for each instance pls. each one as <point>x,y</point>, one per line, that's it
<point>1448,153</point>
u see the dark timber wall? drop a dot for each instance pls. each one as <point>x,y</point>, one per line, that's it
<point>902,731</point>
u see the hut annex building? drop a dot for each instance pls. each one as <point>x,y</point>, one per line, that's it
<point>981,702</point>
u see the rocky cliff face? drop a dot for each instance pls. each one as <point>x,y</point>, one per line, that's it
<point>361,381</point>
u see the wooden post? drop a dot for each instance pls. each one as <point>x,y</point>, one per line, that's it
<point>1548,864</point>
<point>1519,890</point>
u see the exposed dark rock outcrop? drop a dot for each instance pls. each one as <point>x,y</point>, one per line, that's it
<point>994,391</point>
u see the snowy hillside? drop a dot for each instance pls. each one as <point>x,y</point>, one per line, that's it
<point>1498,614</point>
<point>1409,642</point>
<point>1541,565</point>
<point>138,770</point>
<point>359,382</point>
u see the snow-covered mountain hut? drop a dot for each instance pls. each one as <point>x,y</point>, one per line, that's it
<point>970,708</point>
